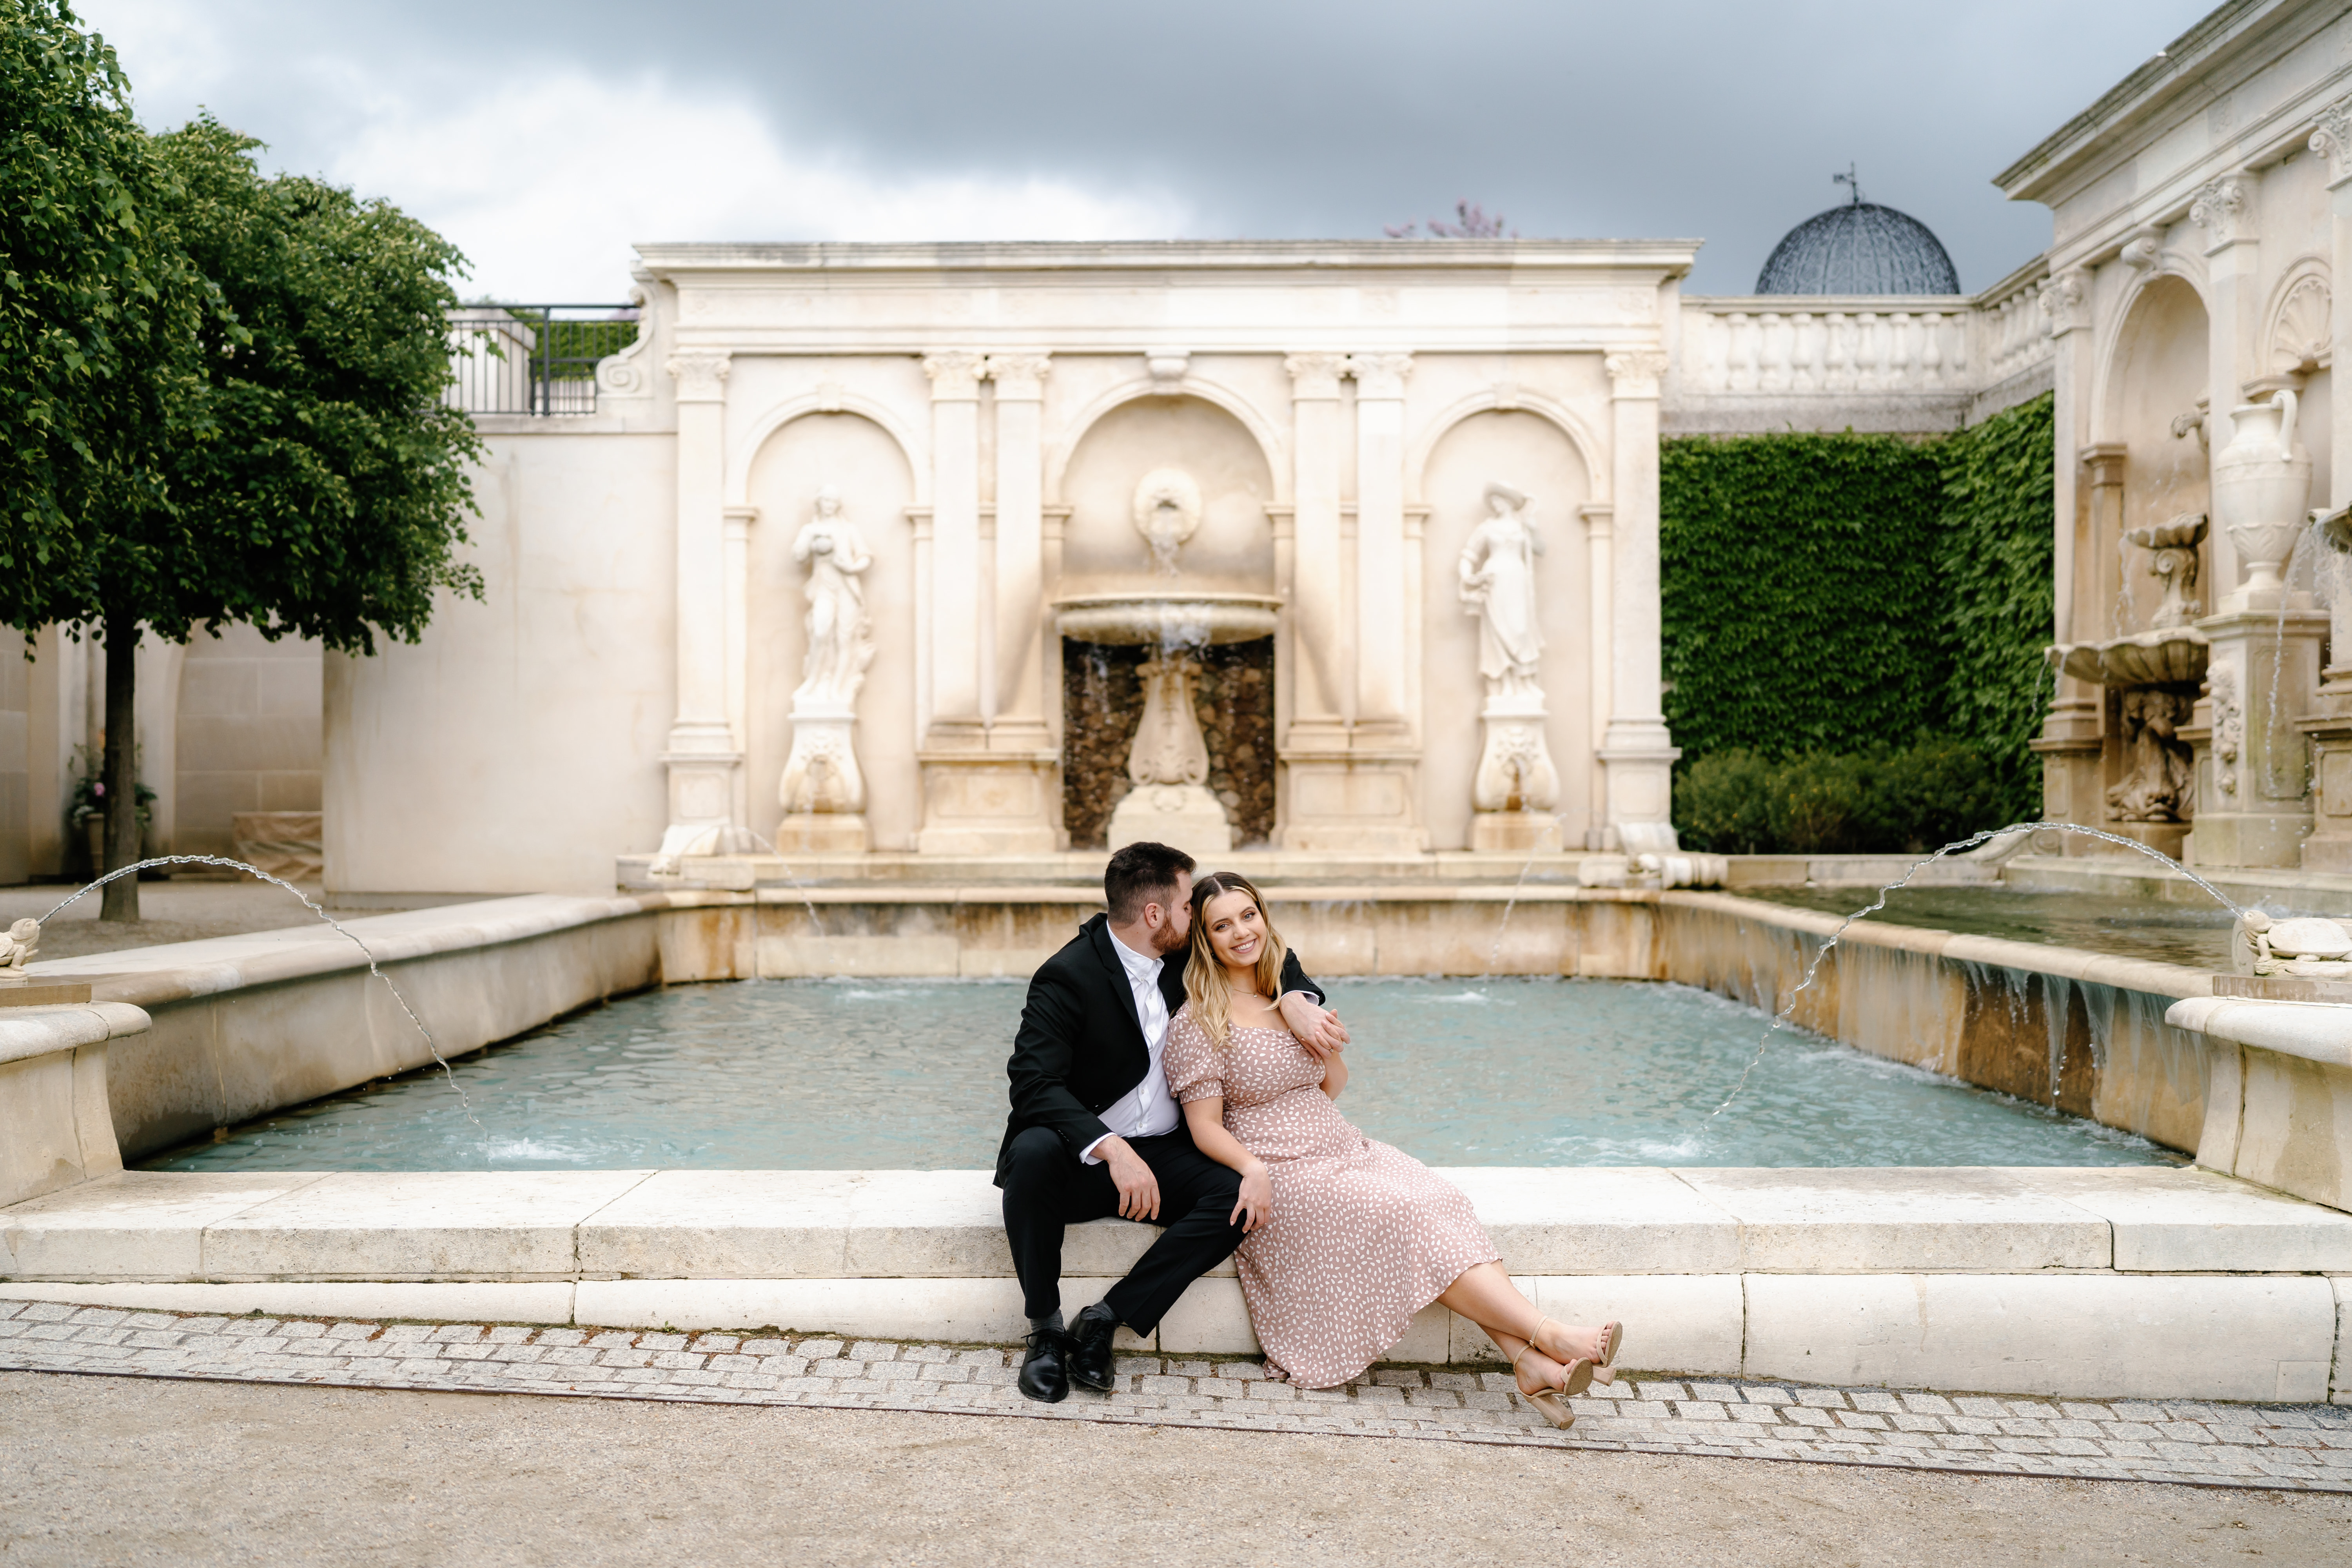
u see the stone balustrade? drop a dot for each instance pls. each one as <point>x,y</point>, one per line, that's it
<point>1903,363</point>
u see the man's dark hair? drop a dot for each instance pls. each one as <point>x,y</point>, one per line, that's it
<point>1142,874</point>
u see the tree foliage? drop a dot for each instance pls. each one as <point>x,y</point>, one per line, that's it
<point>325,489</point>
<point>97,307</point>
<point>224,398</point>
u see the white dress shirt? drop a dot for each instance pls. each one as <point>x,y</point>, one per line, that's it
<point>1147,1110</point>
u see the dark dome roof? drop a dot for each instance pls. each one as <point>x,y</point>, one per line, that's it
<point>1859,248</point>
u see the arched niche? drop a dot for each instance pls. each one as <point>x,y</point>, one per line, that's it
<point>865,463</point>
<point>1534,456</point>
<point>1233,550</point>
<point>2156,375</point>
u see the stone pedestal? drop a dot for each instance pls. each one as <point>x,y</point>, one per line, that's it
<point>2329,732</point>
<point>1184,815</point>
<point>2253,788</point>
<point>988,803</point>
<point>1516,786</point>
<point>1357,803</point>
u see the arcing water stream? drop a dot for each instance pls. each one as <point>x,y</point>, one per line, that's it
<point>308,903</point>
<point>1780,1019</point>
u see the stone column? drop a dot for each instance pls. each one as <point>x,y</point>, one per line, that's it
<point>1348,781</point>
<point>1381,610</point>
<point>2072,741</point>
<point>739,520</point>
<point>1600,588</point>
<point>2329,847</point>
<point>702,755</point>
<point>1019,718</point>
<point>2224,209</point>
<point>955,716</point>
<point>1319,677</point>
<point>977,799</point>
<point>1637,754</point>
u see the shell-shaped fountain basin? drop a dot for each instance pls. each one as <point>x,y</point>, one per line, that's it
<point>2170,655</point>
<point>1167,619</point>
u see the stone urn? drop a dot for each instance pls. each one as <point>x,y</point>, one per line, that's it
<point>2262,485</point>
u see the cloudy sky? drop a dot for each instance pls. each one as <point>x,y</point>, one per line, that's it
<point>544,137</point>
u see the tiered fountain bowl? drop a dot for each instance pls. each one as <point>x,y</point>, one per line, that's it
<point>1166,619</point>
<point>2168,656</point>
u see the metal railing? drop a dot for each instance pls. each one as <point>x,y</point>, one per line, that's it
<point>532,359</point>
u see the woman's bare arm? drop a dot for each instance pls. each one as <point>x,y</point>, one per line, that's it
<point>1335,1074</point>
<point>1207,1120</point>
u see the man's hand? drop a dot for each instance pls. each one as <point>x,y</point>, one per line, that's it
<point>1256,1199</point>
<point>1139,1189</point>
<point>1319,1029</point>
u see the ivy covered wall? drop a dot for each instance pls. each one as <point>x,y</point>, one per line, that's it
<point>1854,596</point>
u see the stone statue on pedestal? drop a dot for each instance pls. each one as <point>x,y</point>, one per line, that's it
<point>1499,583</point>
<point>823,793</point>
<point>1516,786</point>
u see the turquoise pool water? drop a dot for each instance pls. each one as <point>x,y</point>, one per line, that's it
<point>910,1074</point>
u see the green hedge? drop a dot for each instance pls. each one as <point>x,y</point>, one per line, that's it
<point>1852,630</point>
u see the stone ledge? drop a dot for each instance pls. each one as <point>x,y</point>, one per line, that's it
<point>947,1224</point>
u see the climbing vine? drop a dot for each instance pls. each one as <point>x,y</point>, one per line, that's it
<point>1874,604</point>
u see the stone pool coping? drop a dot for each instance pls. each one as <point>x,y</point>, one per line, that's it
<point>2289,1447</point>
<point>2063,1280</point>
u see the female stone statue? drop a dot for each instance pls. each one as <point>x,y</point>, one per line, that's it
<point>840,641</point>
<point>1499,583</point>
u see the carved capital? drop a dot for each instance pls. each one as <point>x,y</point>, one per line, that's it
<point>1380,375</point>
<point>1635,373</point>
<point>1021,376</point>
<point>2224,209</point>
<point>2066,302</point>
<point>2331,138</point>
<point>700,373</point>
<point>955,375</point>
<point>1314,374</point>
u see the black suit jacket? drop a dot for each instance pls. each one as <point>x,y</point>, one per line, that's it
<point>1081,1047</point>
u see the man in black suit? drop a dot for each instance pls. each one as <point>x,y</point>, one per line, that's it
<point>1093,1131</point>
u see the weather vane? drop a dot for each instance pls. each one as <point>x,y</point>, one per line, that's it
<point>1851,181</point>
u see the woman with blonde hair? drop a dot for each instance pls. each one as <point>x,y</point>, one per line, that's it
<point>1348,1238</point>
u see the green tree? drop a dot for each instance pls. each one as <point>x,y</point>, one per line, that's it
<point>97,313</point>
<point>275,452</point>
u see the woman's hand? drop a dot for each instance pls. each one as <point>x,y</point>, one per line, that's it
<point>1256,1198</point>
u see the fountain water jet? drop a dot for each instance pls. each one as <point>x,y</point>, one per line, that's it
<point>1780,1019</point>
<point>439,1060</point>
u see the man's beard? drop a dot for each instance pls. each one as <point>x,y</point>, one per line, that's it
<point>1167,939</point>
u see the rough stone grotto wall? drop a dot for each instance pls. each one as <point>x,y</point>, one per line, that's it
<point>1102,703</point>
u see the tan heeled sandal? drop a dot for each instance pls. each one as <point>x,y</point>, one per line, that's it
<point>1549,1401</point>
<point>1604,1354</point>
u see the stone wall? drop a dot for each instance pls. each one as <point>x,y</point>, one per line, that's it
<point>1102,703</point>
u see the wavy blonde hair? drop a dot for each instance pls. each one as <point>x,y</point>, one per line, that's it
<point>1205,985</point>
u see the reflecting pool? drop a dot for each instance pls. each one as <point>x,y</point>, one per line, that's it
<point>910,1074</point>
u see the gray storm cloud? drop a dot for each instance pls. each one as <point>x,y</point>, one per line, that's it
<point>1715,120</point>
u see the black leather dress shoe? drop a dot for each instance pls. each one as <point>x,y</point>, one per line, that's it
<point>1090,1339</point>
<point>1044,1376</point>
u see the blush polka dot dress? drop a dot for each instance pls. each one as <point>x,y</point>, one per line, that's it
<point>1364,1235</point>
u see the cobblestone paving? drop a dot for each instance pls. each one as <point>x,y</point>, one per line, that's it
<point>2298,1447</point>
